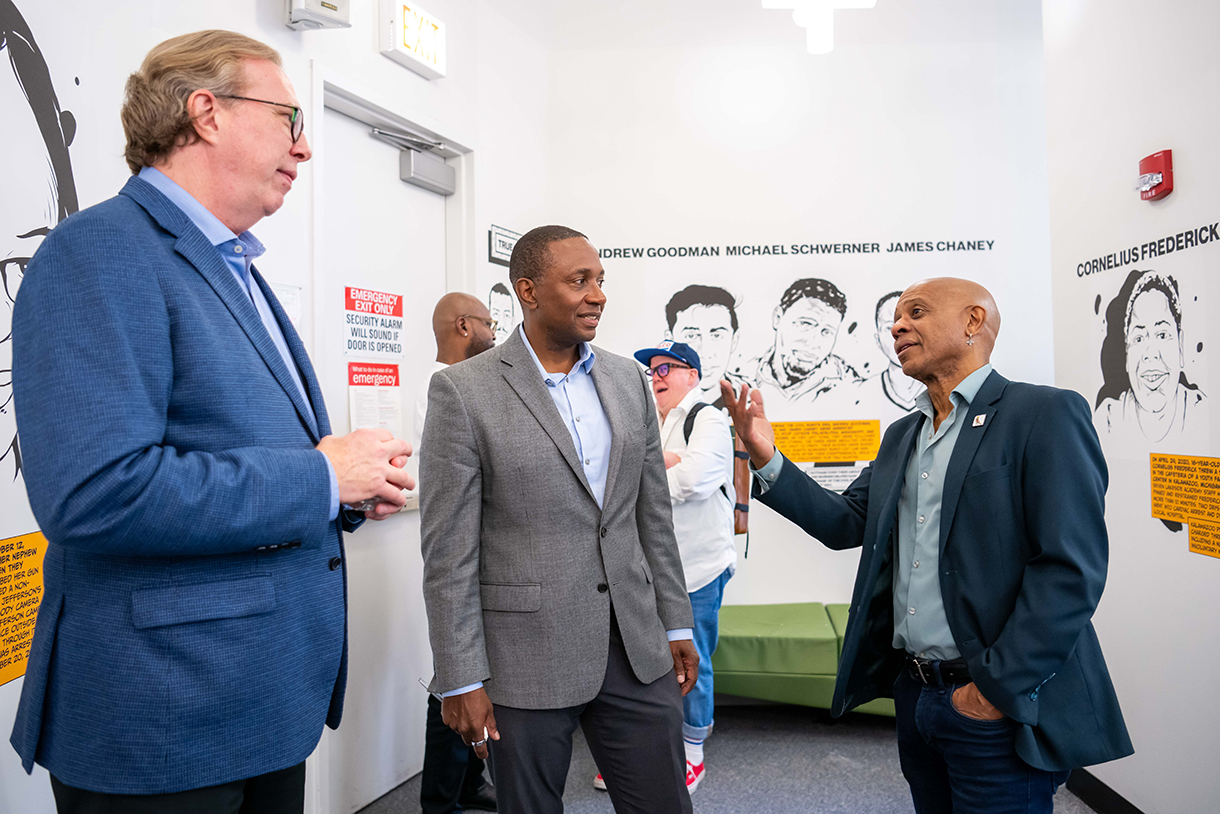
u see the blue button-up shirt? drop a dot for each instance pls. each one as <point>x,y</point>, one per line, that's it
<point>582,412</point>
<point>239,252</point>
<point>920,624</point>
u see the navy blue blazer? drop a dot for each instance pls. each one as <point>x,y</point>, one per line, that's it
<point>1023,553</point>
<point>193,624</point>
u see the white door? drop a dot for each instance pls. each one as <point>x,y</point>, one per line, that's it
<point>386,235</point>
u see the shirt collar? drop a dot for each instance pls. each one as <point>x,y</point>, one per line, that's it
<point>689,400</point>
<point>216,232</point>
<point>965,391</point>
<point>587,358</point>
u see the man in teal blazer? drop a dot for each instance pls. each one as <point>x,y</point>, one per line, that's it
<point>984,556</point>
<point>191,642</point>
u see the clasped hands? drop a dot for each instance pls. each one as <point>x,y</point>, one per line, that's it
<point>369,464</point>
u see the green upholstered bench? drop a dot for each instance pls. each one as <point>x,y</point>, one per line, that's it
<point>788,653</point>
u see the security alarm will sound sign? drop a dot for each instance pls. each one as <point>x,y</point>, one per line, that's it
<point>372,324</point>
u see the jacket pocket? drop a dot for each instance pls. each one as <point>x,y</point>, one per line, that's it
<point>161,605</point>
<point>647,572</point>
<point>523,598</point>
<point>987,475</point>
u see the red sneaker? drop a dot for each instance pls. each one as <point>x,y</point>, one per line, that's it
<point>599,783</point>
<point>694,775</point>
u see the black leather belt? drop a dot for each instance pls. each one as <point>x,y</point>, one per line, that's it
<point>927,671</point>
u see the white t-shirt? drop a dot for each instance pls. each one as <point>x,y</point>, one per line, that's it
<point>703,515</point>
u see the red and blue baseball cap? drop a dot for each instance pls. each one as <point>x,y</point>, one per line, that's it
<point>674,350</point>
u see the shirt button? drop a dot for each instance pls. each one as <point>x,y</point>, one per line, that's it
<point>924,476</point>
<point>237,249</point>
<point>587,462</point>
<point>921,518</point>
<point>911,611</point>
<point>577,419</point>
<point>335,562</point>
<point>916,563</point>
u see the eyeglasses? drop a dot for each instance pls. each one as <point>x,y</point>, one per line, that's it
<point>296,123</point>
<point>663,370</point>
<point>490,323</point>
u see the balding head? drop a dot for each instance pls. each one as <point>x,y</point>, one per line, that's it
<point>462,328</point>
<point>945,328</point>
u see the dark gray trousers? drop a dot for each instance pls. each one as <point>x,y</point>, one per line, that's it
<point>634,731</point>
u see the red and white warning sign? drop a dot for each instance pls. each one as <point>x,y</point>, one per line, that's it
<point>374,397</point>
<point>372,323</point>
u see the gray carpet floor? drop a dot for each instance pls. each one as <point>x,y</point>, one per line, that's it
<point>767,760</point>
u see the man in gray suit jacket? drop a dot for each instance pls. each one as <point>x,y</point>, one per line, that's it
<point>552,579</point>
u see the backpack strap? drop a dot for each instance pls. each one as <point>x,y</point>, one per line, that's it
<point>688,426</point>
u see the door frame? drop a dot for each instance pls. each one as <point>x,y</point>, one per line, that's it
<point>330,89</point>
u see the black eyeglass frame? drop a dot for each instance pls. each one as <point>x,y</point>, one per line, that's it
<point>667,367</point>
<point>488,321</point>
<point>296,125</point>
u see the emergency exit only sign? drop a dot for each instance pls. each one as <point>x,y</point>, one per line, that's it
<point>372,323</point>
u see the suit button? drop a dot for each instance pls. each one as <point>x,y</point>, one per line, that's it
<point>602,588</point>
<point>335,562</point>
<point>604,532</point>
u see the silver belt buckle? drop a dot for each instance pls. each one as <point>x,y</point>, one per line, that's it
<point>919,669</point>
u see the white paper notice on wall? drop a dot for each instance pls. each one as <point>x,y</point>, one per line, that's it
<point>372,323</point>
<point>374,397</point>
<point>290,299</point>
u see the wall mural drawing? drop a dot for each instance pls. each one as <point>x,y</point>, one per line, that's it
<point>705,317</point>
<point>1145,392</point>
<point>502,305</point>
<point>37,190</point>
<point>897,387</point>
<point>801,365</point>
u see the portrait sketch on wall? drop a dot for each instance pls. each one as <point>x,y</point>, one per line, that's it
<point>705,317</point>
<point>38,190</point>
<point>1146,397</point>
<point>801,365</point>
<point>502,305</point>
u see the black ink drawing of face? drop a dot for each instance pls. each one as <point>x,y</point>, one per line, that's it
<point>37,189</point>
<point>1154,350</point>
<point>501,304</point>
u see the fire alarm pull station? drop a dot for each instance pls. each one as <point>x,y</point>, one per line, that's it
<point>1156,176</point>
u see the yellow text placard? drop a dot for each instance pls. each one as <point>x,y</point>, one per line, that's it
<point>1205,539</point>
<point>1185,488</point>
<point>828,441</point>
<point>20,595</point>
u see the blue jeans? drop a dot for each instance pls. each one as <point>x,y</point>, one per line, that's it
<point>959,765</point>
<point>699,705</point>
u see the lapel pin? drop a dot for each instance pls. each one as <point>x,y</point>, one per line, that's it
<point>978,420</point>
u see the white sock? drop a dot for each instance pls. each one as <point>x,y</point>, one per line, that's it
<point>694,751</point>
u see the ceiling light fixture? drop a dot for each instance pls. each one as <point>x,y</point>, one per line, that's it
<point>817,17</point>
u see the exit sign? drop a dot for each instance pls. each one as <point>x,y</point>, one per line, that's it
<point>413,38</point>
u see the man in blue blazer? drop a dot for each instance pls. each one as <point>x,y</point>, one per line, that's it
<point>191,641</point>
<point>984,557</point>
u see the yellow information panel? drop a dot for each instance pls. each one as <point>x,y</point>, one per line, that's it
<point>20,594</point>
<point>814,442</point>
<point>1186,489</point>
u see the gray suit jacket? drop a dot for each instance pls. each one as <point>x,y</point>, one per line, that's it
<point>515,545</point>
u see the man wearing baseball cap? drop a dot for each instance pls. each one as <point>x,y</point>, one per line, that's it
<point>699,465</point>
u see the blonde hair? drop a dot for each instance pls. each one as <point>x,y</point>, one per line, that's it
<point>154,112</point>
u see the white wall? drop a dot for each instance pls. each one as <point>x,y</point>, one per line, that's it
<point>707,123</point>
<point>1124,80</point>
<point>493,101</point>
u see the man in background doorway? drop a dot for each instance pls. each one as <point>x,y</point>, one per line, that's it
<point>191,643</point>
<point>501,304</point>
<point>453,774</point>
<point>705,318</point>
<point>802,365</point>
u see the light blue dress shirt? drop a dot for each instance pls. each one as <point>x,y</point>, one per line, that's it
<point>580,407</point>
<point>239,252</point>
<point>920,624</point>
